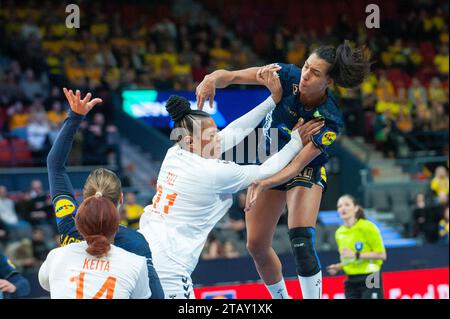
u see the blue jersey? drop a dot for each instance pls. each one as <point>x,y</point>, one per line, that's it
<point>289,110</point>
<point>66,206</point>
<point>9,272</point>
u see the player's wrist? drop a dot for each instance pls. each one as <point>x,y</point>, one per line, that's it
<point>296,138</point>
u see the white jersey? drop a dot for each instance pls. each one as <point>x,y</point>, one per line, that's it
<point>194,193</point>
<point>69,272</point>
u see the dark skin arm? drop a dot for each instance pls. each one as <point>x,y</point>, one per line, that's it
<point>308,153</point>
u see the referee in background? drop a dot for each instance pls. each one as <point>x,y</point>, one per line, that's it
<point>361,252</point>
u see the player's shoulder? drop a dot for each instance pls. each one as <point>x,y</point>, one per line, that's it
<point>331,112</point>
<point>130,258</point>
<point>63,250</point>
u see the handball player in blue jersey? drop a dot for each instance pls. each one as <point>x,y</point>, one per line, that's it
<point>99,180</point>
<point>306,96</point>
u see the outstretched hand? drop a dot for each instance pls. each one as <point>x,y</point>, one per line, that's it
<point>253,191</point>
<point>78,105</point>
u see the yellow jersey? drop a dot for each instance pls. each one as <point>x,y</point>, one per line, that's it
<point>364,236</point>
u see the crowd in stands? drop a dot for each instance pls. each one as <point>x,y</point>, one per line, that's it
<point>430,212</point>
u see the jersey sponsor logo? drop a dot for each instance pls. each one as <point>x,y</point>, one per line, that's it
<point>9,262</point>
<point>64,207</point>
<point>328,138</point>
<point>294,89</point>
<point>358,246</point>
<point>317,115</point>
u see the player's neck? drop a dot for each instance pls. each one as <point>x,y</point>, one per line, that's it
<point>311,102</point>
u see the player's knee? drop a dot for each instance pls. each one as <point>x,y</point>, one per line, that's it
<point>257,249</point>
<point>306,259</point>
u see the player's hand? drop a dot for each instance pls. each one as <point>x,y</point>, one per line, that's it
<point>269,77</point>
<point>308,129</point>
<point>78,105</point>
<point>347,253</point>
<point>204,91</point>
<point>333,269</point>
<point>262,75</point>
<point>253,191</point>
<point>6,286</point>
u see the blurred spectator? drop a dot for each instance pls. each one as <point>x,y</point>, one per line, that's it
<point>236,216</point>
<point>21,253</point>
<point>438,119</point>
<point>436,92</point>
<point>125,177</point>
<point>417,93</point>
<point>38,136</point>
<point>7,211</point>
<point>443,226</point>
<point>213,248</point>
<point>18,120</point>
<point>40,248</point>
<point>164,80</point>
<point>32,88</point>
<point>9,218</point>
<point>56,115</point>
<point>229,250</point>
<point>419,215</point>
<point>41,212</point>
<point>441,60</point>
<point>95,147</point>
<point>440,185</point>
<point>132,211</point>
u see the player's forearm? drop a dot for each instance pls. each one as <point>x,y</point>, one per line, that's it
<point>307,154</point>
<point>58,155</point>
<point>237,130</point>
<point>279,161</point>
<point>224,78</point>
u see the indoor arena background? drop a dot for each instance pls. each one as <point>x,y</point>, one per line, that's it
<point>135,54</point>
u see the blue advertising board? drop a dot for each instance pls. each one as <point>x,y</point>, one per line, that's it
<point>149,105</point>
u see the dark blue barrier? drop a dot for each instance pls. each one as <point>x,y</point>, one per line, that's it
<point>19,179</point>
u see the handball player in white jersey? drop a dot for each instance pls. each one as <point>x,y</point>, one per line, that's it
<point>95,269</point>
<point>195,187</point>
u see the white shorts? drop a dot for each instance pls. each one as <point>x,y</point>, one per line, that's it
<point>175,279</point>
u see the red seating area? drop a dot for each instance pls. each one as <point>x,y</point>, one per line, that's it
<point>15,152</point>
<point>308,15</point>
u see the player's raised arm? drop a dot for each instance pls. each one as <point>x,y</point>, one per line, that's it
<point>61,189</point>
<point>206,90</point>
<point>237,130</point>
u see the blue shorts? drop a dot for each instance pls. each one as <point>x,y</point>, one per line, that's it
<point>309,176</point>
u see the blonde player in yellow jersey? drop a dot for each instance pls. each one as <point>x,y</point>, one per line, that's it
<point>361,252</point>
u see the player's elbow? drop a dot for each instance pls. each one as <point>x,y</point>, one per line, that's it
<point>383,256</point>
